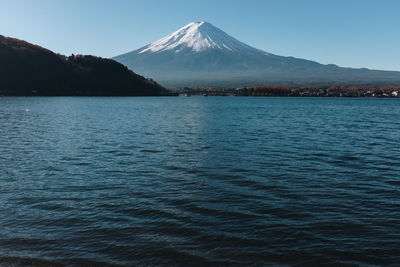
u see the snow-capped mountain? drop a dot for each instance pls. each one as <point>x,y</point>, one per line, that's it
<point>197,36</point>
<point>200,54</point>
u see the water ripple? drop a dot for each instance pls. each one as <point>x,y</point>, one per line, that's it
<point>197,181</point>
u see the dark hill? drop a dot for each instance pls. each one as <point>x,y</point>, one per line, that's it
<point>27,69</point>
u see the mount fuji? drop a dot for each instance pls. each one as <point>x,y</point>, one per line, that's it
<point>200,54</point>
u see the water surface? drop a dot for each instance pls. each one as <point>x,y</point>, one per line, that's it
<point>199,180</point>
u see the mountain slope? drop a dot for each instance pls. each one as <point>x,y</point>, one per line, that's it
<point>27,69</point>
<point>197,36</point>
<point>201,54</point>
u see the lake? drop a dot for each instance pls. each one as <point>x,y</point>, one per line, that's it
<point>199,180</point>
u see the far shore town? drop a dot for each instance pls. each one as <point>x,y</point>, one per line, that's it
<point>300,91</point>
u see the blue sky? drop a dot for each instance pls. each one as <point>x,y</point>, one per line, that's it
<point>352,33</point>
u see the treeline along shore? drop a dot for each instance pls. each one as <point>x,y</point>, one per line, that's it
<point>30,70</point>
<point>298,91</point>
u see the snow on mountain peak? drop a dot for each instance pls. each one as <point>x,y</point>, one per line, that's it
<point>197,36</point>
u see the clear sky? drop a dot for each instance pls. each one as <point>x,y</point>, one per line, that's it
<point>349,33</point>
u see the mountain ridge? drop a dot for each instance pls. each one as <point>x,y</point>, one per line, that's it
<point>200,54</point>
